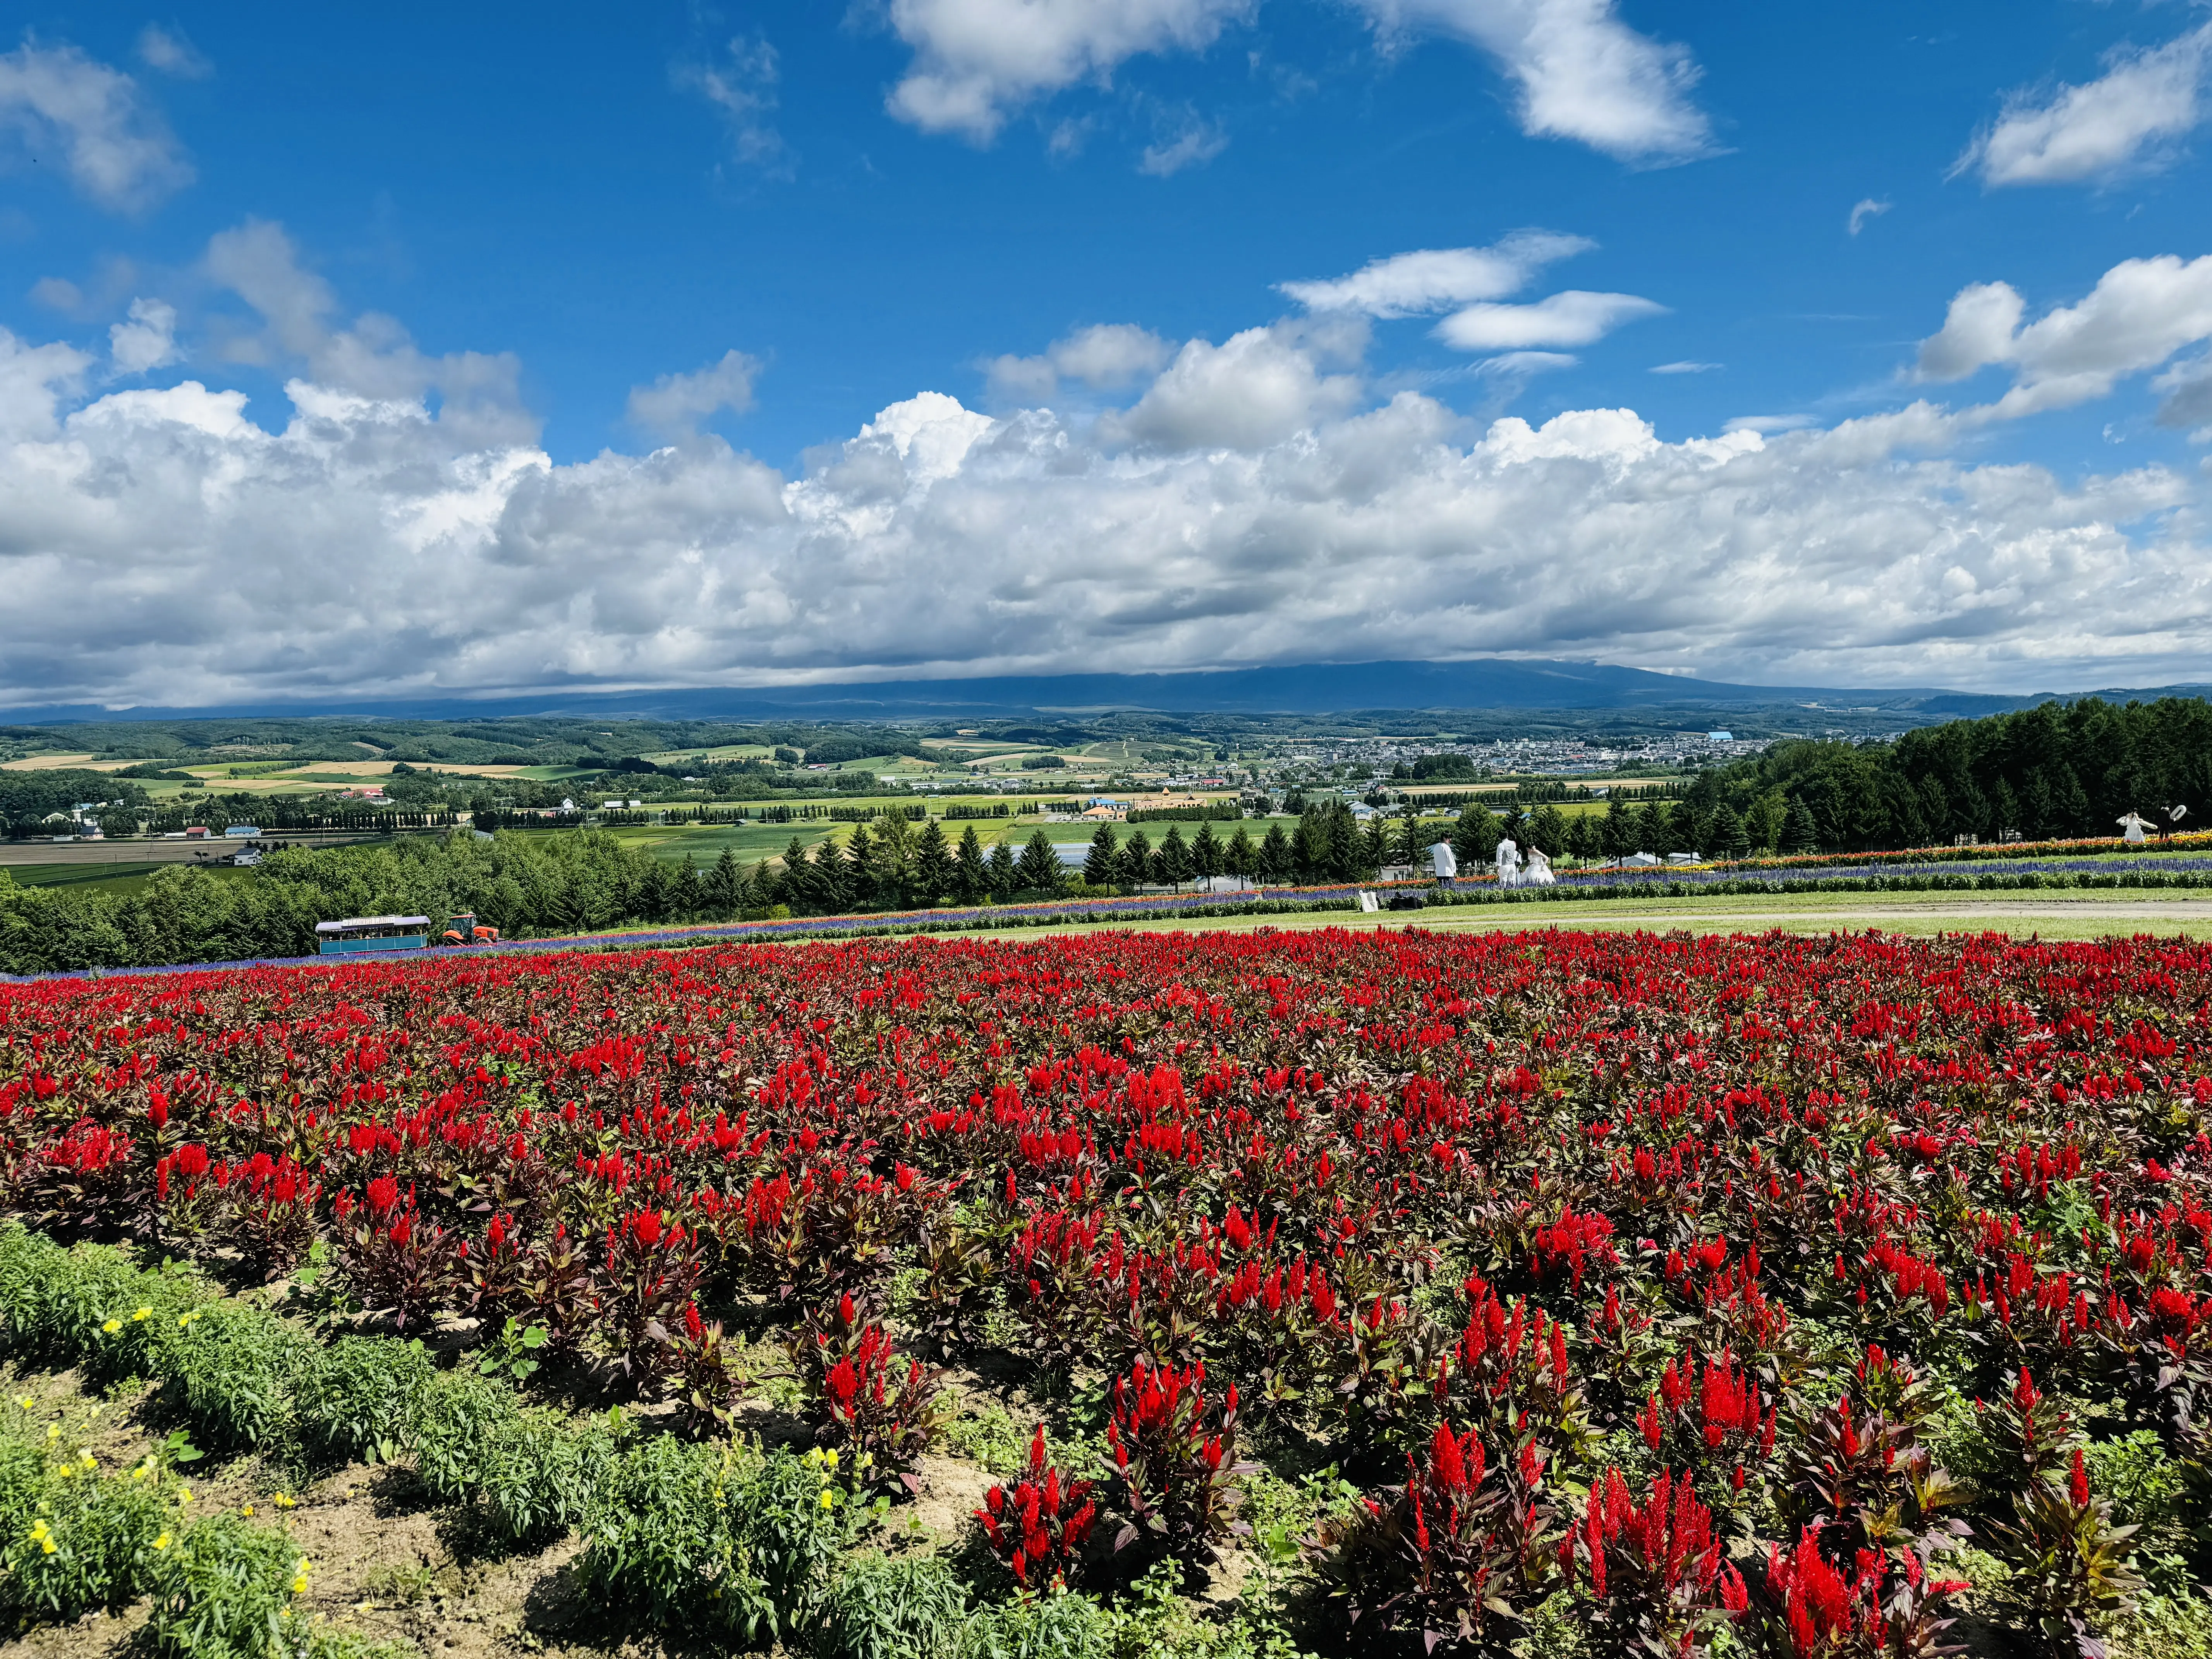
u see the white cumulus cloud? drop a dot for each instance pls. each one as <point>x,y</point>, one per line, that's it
<point>977,60</point>
<point>674,405</point>
<point>2141,312</point>
<point>1582,74</point>
<point>116,147</point>
<point>1103,356</point>
<point>2130,118</point>
<point>373,357</point>
<point>1254,389</point>
<point>1252,505</point>
<point>148,341</point>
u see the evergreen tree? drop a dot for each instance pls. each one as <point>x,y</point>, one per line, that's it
<point>1305,857</point>
<point>656,902</point>
<point>1004,879</point>
<point>863,872</point>
<point>1275,863</point>
<point>1175,858</point>
<point>1039,867</point>
<point>1375,845</point>
<point>723,882</point>
<point>893,877</point>
<point>971,876</point>
<point>1582,837</point>
<point>1476,836</point>
<point>932,864</point>
<point>1549,831</point>
<point>1242,858</point>
<point>1617,829</point>
<point>2073,803</point>
<point>689,900</point>
<point>1412,839</point>
<point>1800,834</point>
<point>1103,868</point>
<point>1763,822</point>
<point>2004,810</point>
<point>1935,810</point>
<point>832,888</point>
<point>1139,867</point>
<point>1730,841</point>
<point>1205,850</point>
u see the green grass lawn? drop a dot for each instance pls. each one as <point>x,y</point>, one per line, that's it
<point>117,878</point>
<point>2051,915</point>
<point>703,843</point>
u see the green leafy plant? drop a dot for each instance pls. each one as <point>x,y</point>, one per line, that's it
<point>237,1368</point>
<point>513,1353</point>
<point>362,1397</point>
<point>527,1470</point>
<point>1055,1624</point>
<point>223,1590</point>
<point>881,1606</point>
<point>80,1540</point>
<point>713,1539</point>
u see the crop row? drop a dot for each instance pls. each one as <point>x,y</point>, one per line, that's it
<point>1687,1282</point>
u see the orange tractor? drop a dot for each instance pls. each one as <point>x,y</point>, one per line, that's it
<point>464,930</point>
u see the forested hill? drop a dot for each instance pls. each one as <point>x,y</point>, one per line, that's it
<point>2055,770</point>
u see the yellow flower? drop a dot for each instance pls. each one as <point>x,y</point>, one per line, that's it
<point>38,1528</point>
<point>183,1319</point>
<point>90,1462</point>
<point>282,1502</point>
<point>829,1458</point>
<point>144,1313</point>
<point>300,1585</point>
<point>184,1494</point>
<point>248,1511</point>
<point>53,1430</point>
<point>112,1326</point>
<point>162,1542</point>
<point>25,1401</point>
<point>828,1498</point>
<point>47,1546</point>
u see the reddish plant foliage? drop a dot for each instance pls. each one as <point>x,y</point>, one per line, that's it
<point>1040,1527</point>
<point>1200,1161</point>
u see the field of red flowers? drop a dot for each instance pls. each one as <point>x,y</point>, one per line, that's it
<point>1800,1294</point>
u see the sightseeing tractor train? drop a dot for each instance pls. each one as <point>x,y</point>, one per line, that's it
<point>359,934</point>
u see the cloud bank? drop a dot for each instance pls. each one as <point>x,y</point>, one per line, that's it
<point>1250,501</point>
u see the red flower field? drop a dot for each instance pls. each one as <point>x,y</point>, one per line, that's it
<point>1669,1276</point>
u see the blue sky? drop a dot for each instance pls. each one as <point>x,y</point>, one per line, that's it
<point>502,348</point>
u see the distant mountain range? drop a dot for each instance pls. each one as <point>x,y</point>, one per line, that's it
<point>1490,682</point>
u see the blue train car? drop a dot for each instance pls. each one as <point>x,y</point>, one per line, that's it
<point>371,933</point>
